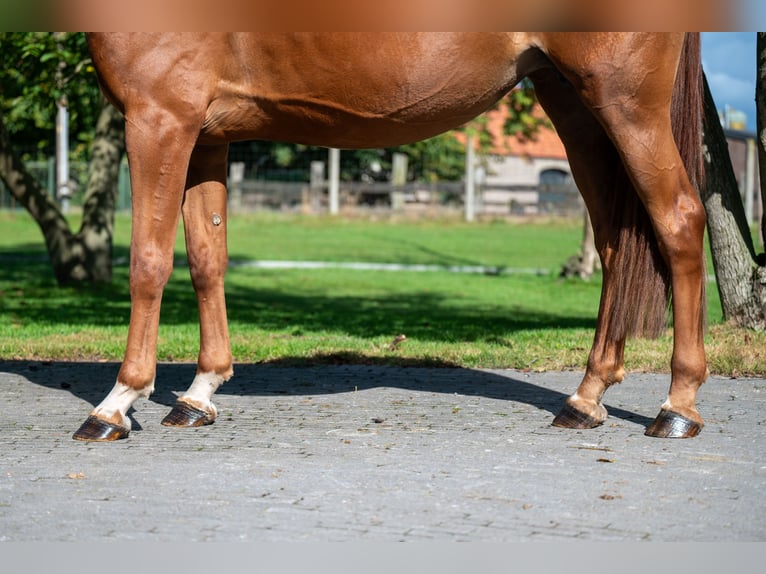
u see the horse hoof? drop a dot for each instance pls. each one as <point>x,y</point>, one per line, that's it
<point>571,418</point>
<point>96,430</point>
<point>185,415</point>
<point>672,425</point>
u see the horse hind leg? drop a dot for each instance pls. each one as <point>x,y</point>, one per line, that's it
<point>635,287</point>
<point>598,172</point>
<point>204,216</point>
<point>657,171</point>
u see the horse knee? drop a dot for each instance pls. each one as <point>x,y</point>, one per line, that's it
<point>149,273</point>
<point>206,272</point>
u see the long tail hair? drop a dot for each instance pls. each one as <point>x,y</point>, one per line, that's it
<point>641,299</point>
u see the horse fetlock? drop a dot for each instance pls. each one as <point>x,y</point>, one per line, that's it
<point>594,409</point>
<point>114,408</point>
<point>602,376</point>
<point>195,407</point>
<point>203,388</point>
<point>682,397</point>
<point>684,409</point>
<point>579,413</point>
<point>210,410</point>
<point>115,418</point>
<point>109,420</point>
<point>138,377</point>
<point>146,391</point>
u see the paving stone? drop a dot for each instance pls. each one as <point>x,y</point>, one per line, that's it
<point>337,453</point>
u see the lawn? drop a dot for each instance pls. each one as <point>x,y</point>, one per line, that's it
<point>305,316</point>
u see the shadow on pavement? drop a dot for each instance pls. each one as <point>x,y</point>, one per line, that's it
<point>91,382</point>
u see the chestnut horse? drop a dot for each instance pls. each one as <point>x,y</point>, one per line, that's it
<point>626,105</point>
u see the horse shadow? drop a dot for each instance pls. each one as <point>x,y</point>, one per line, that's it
<point>92,381</point>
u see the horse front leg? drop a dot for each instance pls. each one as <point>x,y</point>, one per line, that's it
<point>158,153</point>
<point>204,215</point>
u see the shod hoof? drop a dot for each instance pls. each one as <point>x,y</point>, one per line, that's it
<point>672,425</point>
<point>185,415</point>
<point>571,418</point>
<point>96,430</point>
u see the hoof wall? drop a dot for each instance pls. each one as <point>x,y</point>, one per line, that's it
<point>96,430</point>
<point>672,425</point>
<point>571,418</point>
<point>185,415</point>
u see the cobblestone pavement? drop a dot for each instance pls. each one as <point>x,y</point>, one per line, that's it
<point>377,453</point>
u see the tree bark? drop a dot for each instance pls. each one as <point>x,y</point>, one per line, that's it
<point>587,262</point>
<point>87,255</point>
<point>741,280</point>
<point>97,229</point>
<point>760,100</point>
<point>590,260</point>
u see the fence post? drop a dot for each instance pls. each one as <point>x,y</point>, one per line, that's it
<point>236,177</point>
<point>63,192</point>
<point>51,181</point>
<point>470,178</point>
<point>398,180</point>
<point>124,198</point>
<point>334,186</point>
<point>317,183</point>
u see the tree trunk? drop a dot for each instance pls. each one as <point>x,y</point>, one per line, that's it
<point>760,100</point>
<point>97,227</point>
<point>741,280</point>
<point>587,262</point>
<point>87,255</point>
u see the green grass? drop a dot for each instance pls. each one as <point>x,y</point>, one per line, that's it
<point>442,242</point>
<point>332,315</point>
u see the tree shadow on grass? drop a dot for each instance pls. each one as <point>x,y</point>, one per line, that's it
<point>423,314</point>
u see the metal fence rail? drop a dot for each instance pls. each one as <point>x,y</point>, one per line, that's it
<point>255,195</point>
<point>45,174</point>
<point>495,200</point>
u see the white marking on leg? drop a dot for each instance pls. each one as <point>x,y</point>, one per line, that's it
<point>202,390</point>
<point>119,400</point>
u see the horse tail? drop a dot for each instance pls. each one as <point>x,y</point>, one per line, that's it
<point>641,299</point>
<point>687,110</point>
<point>687,118</point>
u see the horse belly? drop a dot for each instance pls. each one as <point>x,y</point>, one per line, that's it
<point>357,91</point>
<point>323,123</point>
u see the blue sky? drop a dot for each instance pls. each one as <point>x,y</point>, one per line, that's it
<point>729,60</point>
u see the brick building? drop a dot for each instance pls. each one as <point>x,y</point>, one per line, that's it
<point>520,174</point>
<point>527,175</point>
